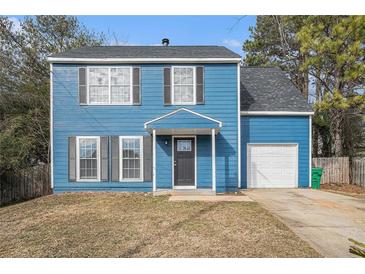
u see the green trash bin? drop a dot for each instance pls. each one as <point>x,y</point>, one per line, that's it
<point>316,177</point>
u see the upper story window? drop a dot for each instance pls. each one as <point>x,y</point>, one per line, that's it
<point>183,89</point>
<point>110,85</point>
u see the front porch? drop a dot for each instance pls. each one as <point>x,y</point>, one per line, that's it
<point>184,151</point>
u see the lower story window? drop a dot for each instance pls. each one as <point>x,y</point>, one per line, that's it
<point>88,158</point>
<point>131,165</point>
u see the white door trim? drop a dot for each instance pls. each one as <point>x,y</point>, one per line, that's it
<point>195,162</point>
<point>248,179</point>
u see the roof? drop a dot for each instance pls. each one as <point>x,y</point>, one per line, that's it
<point>269,89</point>
<point>183,120</point>
<point>148,52</point>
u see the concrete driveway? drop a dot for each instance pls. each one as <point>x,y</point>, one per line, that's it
<point>325,220</point>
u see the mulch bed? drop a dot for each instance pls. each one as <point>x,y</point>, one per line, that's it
<point>349,189</point>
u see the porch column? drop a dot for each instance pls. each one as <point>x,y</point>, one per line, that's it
<point>154,160</point>
<point>213,161</point>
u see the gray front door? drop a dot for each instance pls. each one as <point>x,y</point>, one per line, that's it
<point>184,162</point>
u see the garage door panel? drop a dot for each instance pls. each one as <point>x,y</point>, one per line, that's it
<point>272,165</point>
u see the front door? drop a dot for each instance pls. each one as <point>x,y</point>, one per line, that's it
<point>184,162</point>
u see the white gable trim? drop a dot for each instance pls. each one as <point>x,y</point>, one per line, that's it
<point>183,109</point>
<point>141,60</point>
<point>277,113</point>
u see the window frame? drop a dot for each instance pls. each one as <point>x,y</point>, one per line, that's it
<point>141,175</point>
<point>98,165</point>
<point>130,103</point>
<point>173,86</point>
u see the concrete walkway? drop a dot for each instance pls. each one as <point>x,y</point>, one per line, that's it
<point>325,220</point>
<point>207,198</point>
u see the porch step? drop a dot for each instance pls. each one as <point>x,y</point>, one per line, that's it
<point>189,192</point>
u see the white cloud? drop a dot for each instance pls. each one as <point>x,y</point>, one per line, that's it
<point>16,24</point>
<point>232,43</point>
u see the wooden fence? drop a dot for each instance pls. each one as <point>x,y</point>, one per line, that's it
<point>358,171</point>
<point>335,169</point>
<point>27,184</point>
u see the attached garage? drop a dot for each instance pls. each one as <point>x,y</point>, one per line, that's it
<point>272,165</point>
<point>275,131</point>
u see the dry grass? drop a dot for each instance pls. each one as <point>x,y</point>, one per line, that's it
<point>139,225</point>
<point>345,189</point>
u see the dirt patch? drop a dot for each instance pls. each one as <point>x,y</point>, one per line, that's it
<point>346,189</point>
<point>139,225</point>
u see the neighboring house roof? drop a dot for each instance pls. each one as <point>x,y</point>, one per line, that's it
<point>148,52</point>
<point>269,89</point>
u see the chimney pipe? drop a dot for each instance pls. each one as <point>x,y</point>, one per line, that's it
<point>165,42</point>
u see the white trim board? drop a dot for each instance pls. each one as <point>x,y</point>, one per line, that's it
<point>182,109</point>
<point>310,151</point>
<point>154,169</point>
<point>141,60</point>
<point>51,123</point>
<point>195,162</point>
<point>239,124</point>
<point>277,113</point>
<point>214,164</point>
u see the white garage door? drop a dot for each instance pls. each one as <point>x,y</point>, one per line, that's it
<point>272,165</point>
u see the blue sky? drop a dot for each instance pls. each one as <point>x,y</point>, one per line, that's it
<point>229,31</point>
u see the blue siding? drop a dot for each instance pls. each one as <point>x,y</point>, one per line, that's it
<point>277,129</point>
<point>204,164</point>
<point>164,162</point>
<point>71,119</point>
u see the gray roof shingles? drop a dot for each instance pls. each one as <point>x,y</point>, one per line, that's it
<point>269,89</point>
<point>148,52</point>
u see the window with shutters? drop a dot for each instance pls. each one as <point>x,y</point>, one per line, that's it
<point>88,158</point>
<point>110,85</point>
<point>183,85</point>
<point>131,158</point>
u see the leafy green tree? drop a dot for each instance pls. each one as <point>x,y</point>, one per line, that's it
<point>24,83</point>
<point>273,43</point>
<point>335,46</point>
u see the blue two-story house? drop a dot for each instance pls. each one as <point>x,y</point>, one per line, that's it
<point>151,118</point>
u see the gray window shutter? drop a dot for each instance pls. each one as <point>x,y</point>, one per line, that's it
<point>115,158</point>
<point>82,86</point>
<point>136,86</point>
<point>167,86</point>
<point>200,85</point>
<point>147,158</point>
<point>104,156</point>
<point>72,159</point>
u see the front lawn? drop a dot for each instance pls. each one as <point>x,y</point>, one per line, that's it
<point>139,225</point>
